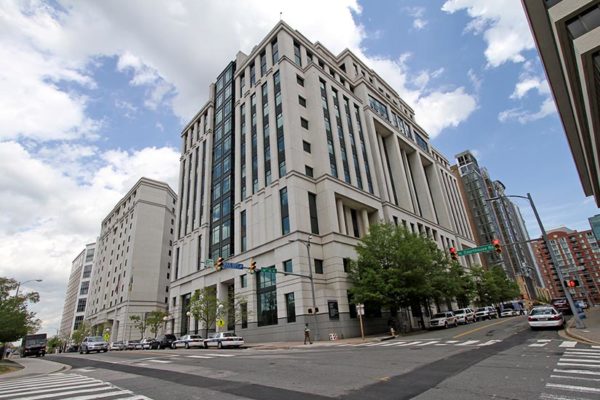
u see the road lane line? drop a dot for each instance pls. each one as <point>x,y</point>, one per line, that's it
<point>573,388</point>
<point>452,341</point>
<point>428,343</point>
<point>468,342</point>
<point>568,343</point>
<point>161,361</point>
<point>538,344</point>
<point>576,371</point>
<point>489,342</point>
<point>220,355</point>
<point>392,344</point>
<point>480,328</point>
<point>198,357</point>
<point>409,344</point>
<point>586,351</point>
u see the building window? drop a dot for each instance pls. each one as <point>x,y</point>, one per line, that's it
<point>308,171</point>
<point>85,287</point>
<point>340,131</point>
<point>78,322</point>
<point>297,54</point>
<point>242,150</point>
<point>318,266</point>
<point>87,271</point>
<point>312,209</point>
<point>243,281</point>
<point>302,101</point>
<point>266,140</point>
<point>290,306</point>
<point>300,80</point>
<point>275,51</point>
<point>304,123</point>
<point>243,230</point>
<point>353,143</point>
<point>379,107</point>
<point>279,122</point>
<point>252,74</point>
<point>351,305</point>
<point>363,148</point>
<point>285,215</point>
<point>263,64</point>
<point>287,266</point>
<point>254,142</point>
<point>306,146</point>
<point>330,147</point>
<point>81,305</point>
<point>334,312</point>
<point>244,314</point>
<point>242,84</point>
<point>266,294</point>
<point>346,265</point>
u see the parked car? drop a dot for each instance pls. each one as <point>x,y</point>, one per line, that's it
<point>464,315</point>
<point>545,316</point>
<point>93,343</point>
<point>508,312</point>
<point>561,305</point>
<point>487,312</point>
<point>223,339</point>
<point>149,344</point>
<point>443,320</point>
<point>188,341</point>
<point>165,341</point>
<point>134,345</point>
<point>118,345</point>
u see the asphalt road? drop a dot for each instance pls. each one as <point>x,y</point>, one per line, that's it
<point>499,359</point>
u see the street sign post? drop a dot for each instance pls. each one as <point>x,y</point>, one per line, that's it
<point>360,311</point>
<point>475,250</point>
<point>233,266</point>
<point>209,262</point>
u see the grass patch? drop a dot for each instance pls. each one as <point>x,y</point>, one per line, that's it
<point>7,366</point>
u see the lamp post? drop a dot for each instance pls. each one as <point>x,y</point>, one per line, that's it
<point>21,283</point>
<point>188,314</point>
<point>165,319</point>
<point>578,322</point>
<point>312,283</point>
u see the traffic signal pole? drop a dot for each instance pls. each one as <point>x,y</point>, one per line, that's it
<point>578,322</point>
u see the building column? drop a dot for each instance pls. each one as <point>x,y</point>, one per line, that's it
<point>399,175</point>
<point>440,201</point>
<point>365,222</point>
<point>421,186</point>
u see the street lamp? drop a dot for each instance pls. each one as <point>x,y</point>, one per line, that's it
<point>21,283</point>
<point>188,314</point>
<point>165,319</point>
<point>578,322</point>
<point>312,282</point>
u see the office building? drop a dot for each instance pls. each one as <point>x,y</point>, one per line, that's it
<point>567,35</point>
<point>578,257</point>
<point>133,260</point>
<point>77,291</point>
<point>298,152</point>
<point>595,225</point>
<point>495,217</point>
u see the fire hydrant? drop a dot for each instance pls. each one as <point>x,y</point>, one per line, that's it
<point>392,332</point>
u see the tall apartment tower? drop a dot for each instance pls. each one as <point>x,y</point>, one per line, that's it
<point>494,216</point>
<point>578,257</point>
<point>595,225</point>
<point>133,260</point>
<point>296,153</point>
<point>77,291</point>
<point>567,35</point>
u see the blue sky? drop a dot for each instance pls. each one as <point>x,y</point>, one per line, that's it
<point>94,94</point>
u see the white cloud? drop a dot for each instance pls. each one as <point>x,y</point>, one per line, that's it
<point>503,25</point>
<point>524,116</point>
<point>440,110</point>
<point>527,84</point>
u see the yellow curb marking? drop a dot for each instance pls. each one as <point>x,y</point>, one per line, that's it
<point>481,327</point>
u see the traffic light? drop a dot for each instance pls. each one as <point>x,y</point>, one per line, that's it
<point>453,254</point>
<point>252,267</point>
<point>497,247</point>
<point>219,264</point>
<point>571,283</point>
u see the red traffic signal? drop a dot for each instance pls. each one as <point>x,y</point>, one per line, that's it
<point>453,254</point>
<point>572,283</point>
<point>219,264</point>
<point>252,267</point>
<point>497,247</point>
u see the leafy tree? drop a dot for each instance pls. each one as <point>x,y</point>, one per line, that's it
<point>80,333</point>
<point>154,319</point>
<point>205,307</point>
<point>54,343</point>
<point>139,323</point>
<point>493,286</point>
<point>396,268</point>
<point>16,319</point>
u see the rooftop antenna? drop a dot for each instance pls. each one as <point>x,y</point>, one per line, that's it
<point>280,15</point>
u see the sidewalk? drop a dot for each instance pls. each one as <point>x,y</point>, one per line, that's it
<point>34,366</point>
<point>321,343</point>
<point>591,333</point>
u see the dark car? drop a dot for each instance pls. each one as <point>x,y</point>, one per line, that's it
<point>165,341</point>
<point>562,305</point>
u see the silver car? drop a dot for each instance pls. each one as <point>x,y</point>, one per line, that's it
<point>443,320</point>
<point>93,343</point>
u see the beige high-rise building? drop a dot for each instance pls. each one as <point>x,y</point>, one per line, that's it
<point>77,291</point>
<point>567,34</point>
<point>133,260</point>
<point>295,155</point>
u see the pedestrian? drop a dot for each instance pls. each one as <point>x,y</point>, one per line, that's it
<point>307,334</point>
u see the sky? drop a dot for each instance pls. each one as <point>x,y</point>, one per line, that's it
<point>94,94</point>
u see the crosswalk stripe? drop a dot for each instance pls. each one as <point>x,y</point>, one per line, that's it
<point>581,360</point>
<point>28,390</point>
<point>468,342</point>
<point>98,396</point>
<point>592,351</point>
<point>161,361</point>
<point>67,394</point>
<point>549,396</point>
<point>489,342</point>
<point>538,344</point>
<point>198,357</point>
<point>409,344</point>
<point>33,381</point>
<point>575,377</point>
<point>578,365</point>
<point>428,343</point>
<point>568,343</point>
<point>391,344</point>
<point>220,355</point>
<point>573,388</point>
<point>576,371</point>
<point>452,341</point>
<point>586,355</point>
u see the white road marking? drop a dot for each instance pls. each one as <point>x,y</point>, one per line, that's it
<point>68,394</point>
<point>468,342</point>
<point>391,344</point>
<point>580,360</point>
<point>428,343</point>
<point>577,365</point>
<point>25,391</point>
<point>220,355</point>
<point>592,351</point>
<point>45,383</point>
<point>198,357</point>
<point>452,341</point>
<point>161,361</point>
<point>573,388</point>
<point>489,342</point>
<point>538,344</point>
<point>409,344</point>
<point>576,377</point>
<point>544,340</point>
<point>577,371</point>
<point>548,396</point>
<point>568,343</point>
<point>577,354</point>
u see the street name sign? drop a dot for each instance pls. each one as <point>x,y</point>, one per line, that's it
<point>233,266</point>
<point>475,250</point>
<point>209,262</point>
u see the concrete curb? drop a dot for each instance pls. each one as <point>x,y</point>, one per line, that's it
<point>36,367</point>
<point>570,333</point>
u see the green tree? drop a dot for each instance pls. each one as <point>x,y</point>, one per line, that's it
<point>139,323</point>
<point>154,319</point>
<point>493,286</point>
<point>80,333</point>
<point>54,343</point>
<point>16,319</point>
<point>205,307</point>
<point>396,268</point>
